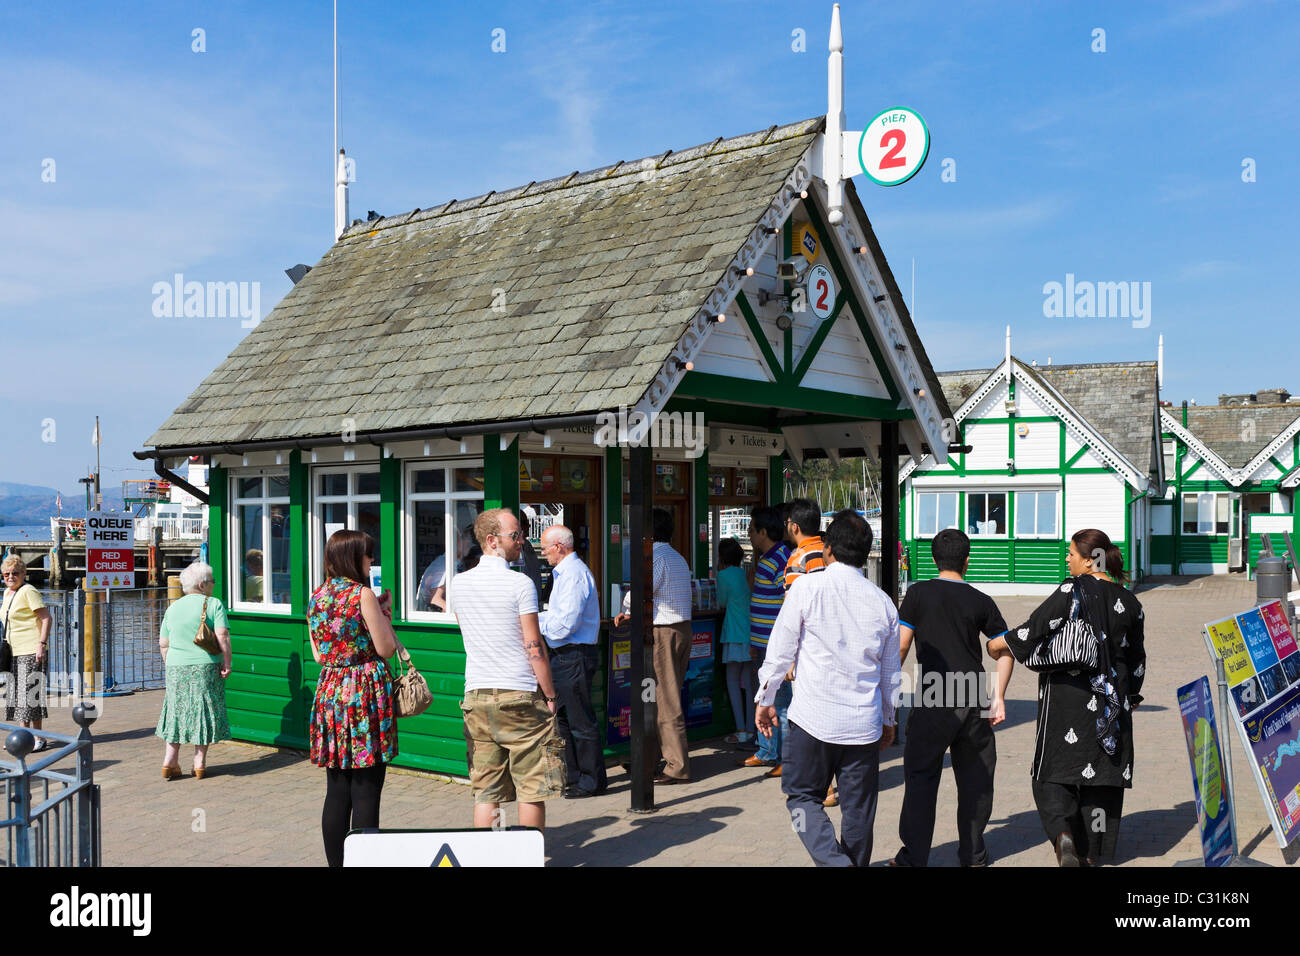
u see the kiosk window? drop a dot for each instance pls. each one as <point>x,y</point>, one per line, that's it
<point>986,513</point>
<point>1036,514</point>
<point>1205,513</point>
<point>439,532</point>
<point>935,511</point>
<point>260,558</point>
<point>346,498</point>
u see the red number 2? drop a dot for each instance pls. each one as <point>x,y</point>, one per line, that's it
<point>824,289</point>
<point>891,159</point>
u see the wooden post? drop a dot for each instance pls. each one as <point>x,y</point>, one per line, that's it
<point>90,661</point>
<point>642,616</point>
<point>174,590</point>
<point>58,560</point>
<point>155,553</point>
<point>889,509</point>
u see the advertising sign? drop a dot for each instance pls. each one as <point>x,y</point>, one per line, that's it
<point>1273,735</point>
<point>1213,812</point>
<point>110,551</point>
<point>1262,666</point>
<point>697,690</point>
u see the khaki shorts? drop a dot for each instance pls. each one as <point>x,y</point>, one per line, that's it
<point>515,749</point>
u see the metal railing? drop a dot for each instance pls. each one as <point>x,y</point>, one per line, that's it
<point>44,829</point>
<point>123,648</point>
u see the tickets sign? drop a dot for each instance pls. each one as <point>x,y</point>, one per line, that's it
<point>110,551</point>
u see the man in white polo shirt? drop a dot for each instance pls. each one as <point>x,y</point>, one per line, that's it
<point>509,705</point>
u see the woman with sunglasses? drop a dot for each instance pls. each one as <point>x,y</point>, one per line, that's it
<point>27,629</point>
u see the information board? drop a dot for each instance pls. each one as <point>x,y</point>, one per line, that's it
<point>110,551</point>
<point>1262,666</point>
<point>445,849</point>
<point>1213,809</point>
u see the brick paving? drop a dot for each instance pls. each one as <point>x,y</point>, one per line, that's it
<point>261,806</point>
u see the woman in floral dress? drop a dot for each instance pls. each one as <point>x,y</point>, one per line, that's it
<point>353,733</point>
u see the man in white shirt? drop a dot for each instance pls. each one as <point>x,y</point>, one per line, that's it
<point>571,626</point>
<point>509,703</point>
<point>671,637</point>
<point>844,632</point>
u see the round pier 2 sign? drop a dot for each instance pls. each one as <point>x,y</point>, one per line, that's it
<point>894,146</point>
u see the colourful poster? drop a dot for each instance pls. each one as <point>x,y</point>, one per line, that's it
<point>697,689</point>
<point>1258,642</point>
<point>1231,647</point>
<point>1273,733</point>
<point>1213,813</point>
<point>1278,628</point>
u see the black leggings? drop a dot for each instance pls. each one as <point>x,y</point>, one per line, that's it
<point>351,802</point>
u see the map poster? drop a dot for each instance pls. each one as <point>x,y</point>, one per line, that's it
<point>1213,813</point>
<point>1273,735</point>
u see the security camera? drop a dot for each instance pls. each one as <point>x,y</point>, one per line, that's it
<point>1011,463</point>
<point>792,270</point>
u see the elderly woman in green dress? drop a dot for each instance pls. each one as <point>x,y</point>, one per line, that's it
<point>194,707</point>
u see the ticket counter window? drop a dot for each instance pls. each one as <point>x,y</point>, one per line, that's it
<point>733,495</point>
<point>443,500</point>
<point>559,489</point>
<point>672,490</point>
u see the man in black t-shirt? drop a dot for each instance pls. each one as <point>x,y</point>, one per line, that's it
<point>952,708</point>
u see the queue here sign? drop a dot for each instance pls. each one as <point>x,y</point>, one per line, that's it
<point>110,551</point>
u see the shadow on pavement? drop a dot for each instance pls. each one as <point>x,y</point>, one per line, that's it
<point>1157,825</point>
<point>652,834</point>
<point>246,768</point>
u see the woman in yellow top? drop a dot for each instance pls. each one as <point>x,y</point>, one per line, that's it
<point>27,629</point>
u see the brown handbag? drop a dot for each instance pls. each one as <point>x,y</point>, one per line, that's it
<point>206,638</point>
<point>411,694</point>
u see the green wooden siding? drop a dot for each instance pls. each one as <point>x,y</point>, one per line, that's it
<point>1040,562</point>
<point>1203,548</point>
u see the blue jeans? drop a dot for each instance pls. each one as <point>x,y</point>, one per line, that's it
<point>769,748</point>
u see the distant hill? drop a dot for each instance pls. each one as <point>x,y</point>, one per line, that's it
<point>34,504</point>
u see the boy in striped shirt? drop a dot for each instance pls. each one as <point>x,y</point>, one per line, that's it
<point>770,557</point>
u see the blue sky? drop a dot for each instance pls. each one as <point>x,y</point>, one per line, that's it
<point>1117,166</point>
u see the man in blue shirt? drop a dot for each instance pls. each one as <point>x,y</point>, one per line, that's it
<point>571,625</point>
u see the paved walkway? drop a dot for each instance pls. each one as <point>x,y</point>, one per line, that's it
<point>260,806</point>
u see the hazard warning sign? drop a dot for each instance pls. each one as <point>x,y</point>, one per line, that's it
<point>110,551</point>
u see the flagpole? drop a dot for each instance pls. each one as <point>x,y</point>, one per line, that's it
<point>99,501</point>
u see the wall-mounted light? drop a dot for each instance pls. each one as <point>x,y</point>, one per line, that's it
<point>719,318</point>
<point>803,194</point>
<point>678,365</point>
<point>349,454</point>
<point>313,456</point>
<point>278,459</point>
<point>464,447</point>
<point>749,271</point>
<point>245,461</point>
<point>770,230</point>
<point>862,250</point>
<point>919,392</point>
<point>546,439</point>
<point>785,321</point>
<point>899,346</point>
<point>426,449</point>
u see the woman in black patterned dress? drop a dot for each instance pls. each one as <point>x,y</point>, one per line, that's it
<point>1083,749</point>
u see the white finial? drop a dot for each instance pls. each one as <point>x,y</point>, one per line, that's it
<point>833,142</point>
<point>340,196</point>
<point>1008,355</point>
<point>1160,362</point>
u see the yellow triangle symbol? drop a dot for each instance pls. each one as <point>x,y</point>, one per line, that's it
<point>445,857</point>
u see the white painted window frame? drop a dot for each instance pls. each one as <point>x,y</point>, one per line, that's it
<point>937,492</point>
<point>235,556</point>
<point>1006,495</point>
<point>411,577</point>
<point>1038,535</point>
<point>317,563</point>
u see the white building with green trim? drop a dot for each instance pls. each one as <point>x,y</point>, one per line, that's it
<point>1052,449</point>
<point>1233,471</point>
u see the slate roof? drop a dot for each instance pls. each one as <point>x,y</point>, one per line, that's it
<point>594,277</point>
<point>1116,399</point>
<point>1222,428</point>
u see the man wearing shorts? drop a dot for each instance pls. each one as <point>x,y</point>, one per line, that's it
<point>509,706</point>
